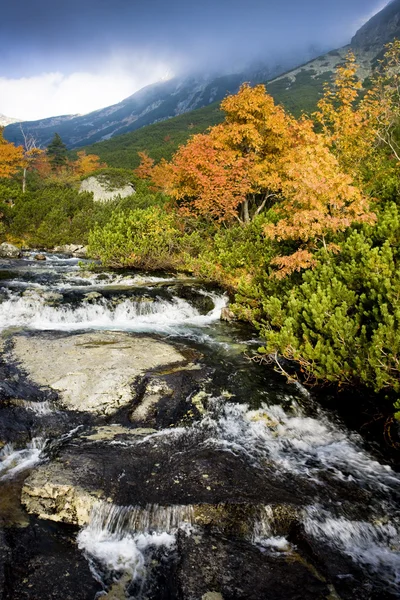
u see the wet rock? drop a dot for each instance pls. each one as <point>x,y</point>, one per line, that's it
<point>44,563</point>
<point>228,315</point>
<point>154,391</point>
<point>214,567</point>
<point>52,298</point>
<point>92,297</point>
<point>136,470</point>
<point>9,251</point>
<point>49,298</point>
<point>166,399</point>
<point>40,257</point>
<point>203,302</point>
<point>347,577</point>
<point>91,372</point>
<point>5,556</point>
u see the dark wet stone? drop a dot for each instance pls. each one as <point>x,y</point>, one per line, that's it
<point>176,468</point>
<point>5,556</point>
<point>240,571</point>
<point>347,577</point>
<point>204,304</point>
<point>164,400</point>
<point>44,563</point>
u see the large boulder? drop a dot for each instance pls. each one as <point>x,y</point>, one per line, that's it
<point>91,372</point>
<point>102,190</point>
<point>75,250</point>
<point>9,251</point>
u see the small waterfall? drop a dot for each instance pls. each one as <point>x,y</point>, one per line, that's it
<point>376,546</point>
<point>120,539</point>
<point>14,461</point>
<point>170,317</point>
<point>39,408</point>
<point>294,442</point>
<point>265,530</point>
<point>119,520</point>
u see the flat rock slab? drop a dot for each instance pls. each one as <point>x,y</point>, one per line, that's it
<point>91,372</point>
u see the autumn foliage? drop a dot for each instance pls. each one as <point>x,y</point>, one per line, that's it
<point>262,158</point>
<point>11,157</point>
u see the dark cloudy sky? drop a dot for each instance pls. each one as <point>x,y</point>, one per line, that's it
<point>72,56</point>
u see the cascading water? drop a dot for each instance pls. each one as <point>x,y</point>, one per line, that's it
<point>13,461</point>
<point>120,539</point>
<point>168,317</point>
<point>269,430</point>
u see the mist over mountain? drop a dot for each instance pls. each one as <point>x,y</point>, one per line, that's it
<point>151,104</point>
<point>185,93</point>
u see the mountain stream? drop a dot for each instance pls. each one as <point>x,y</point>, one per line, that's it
<point>143,456</point>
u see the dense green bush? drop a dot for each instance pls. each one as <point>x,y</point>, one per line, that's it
<point>54,214</point>
<point>342,323</point>
<point>139,238</point>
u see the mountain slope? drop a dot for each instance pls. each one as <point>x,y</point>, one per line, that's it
<point>151,104</point>
<point>298,90</point>
<point>379,30</point>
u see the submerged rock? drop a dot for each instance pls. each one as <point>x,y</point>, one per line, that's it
<point>128,469</point>
<point>9,251</point>
<point>91,372</point>
<point>215,568</point>
<point>40,257</point>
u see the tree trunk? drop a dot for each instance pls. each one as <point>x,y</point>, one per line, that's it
<point>246,216</point>
<point>24,181</point>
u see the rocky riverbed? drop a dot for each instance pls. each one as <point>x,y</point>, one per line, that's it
<point>142,456</point>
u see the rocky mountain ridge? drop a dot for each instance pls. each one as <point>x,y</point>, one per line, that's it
<point>152,104</point>
<point>298,89</point>
<point>4,121</point>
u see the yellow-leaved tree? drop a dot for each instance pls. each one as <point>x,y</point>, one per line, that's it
<point>262,157</point>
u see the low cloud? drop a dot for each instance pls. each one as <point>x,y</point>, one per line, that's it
<point>56,93</point>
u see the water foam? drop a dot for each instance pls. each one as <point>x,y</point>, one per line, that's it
<point>172,317</point>
<point>294,442</point>
<point>373,545</point>
<point>119,539</point>
<point>14,461</point>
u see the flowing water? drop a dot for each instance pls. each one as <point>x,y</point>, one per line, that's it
<point>340,502</point>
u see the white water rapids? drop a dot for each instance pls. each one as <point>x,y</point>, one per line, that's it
<point>13,461</point>
<point>118,538</point>
<point>169,317</point>
<point>279,434</point>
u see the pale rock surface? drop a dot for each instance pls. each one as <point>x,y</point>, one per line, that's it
<point>101,192</point>
<point>9,251</point>
<point>50,494</point>
<point>92,372</point>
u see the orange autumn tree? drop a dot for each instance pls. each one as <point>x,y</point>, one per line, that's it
<point>259,157</point>
<point>381,104</point>
<point>11,157</point>
<point>346,129</point>
<point>86,163</point>
<point>146,166</point>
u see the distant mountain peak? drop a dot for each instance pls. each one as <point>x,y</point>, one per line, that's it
<point>4,121</point>
<point>381,29</point>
